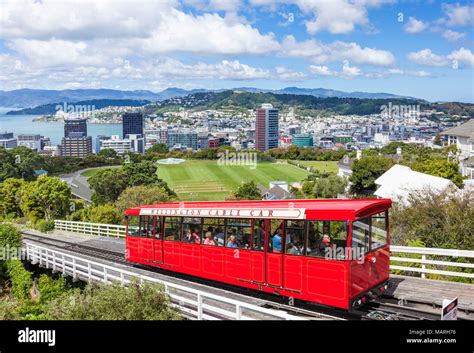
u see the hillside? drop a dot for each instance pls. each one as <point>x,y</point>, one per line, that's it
<point>95,103</point>
<point>28,98</point>
<point>240,100</point>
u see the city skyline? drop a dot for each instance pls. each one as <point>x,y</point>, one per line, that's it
<point>413,48</point>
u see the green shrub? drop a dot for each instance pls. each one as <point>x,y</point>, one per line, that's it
<point>50,288</point>
<point>9,236</point>
<point>44,226</point>
<point>112,302</point>
<point>20,279</point>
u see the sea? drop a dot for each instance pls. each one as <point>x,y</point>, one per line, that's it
<point>24,124</point>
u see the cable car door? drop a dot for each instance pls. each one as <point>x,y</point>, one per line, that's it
<point>146,239</point>
<point>274,252</point>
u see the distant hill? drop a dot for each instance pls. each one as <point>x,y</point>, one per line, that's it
<point>29,98</point>
<point>52,108</point>
<point>242,100</point>
<point>325,93</point>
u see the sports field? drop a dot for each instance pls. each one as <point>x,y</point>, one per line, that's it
<point>206,180</point>
<point>321,165</point>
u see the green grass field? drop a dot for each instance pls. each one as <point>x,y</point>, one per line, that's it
<point>205,180</point>
<point>321,166</point>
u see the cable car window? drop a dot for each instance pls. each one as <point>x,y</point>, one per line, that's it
<point>379,230</point>
<point>275,238</point>
<point>143,226</point>
<point>238,233</point>
<point>214,231</point>
<point>294,233</point>
<point>172,228</point>
<point>133,229</point>
<point>150,226</point>
<point>327,239</point>
<point>157,227</point>
<point>258,235</point>
<point>192,230</point>
<point>360,236</point>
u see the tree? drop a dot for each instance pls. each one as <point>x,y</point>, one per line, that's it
<point>8,168</point>
<point>248,191</point>
<point>143,173</point>
<point>366,170</point>
<point>437,140</point>
<point>141,195</point>
<point>329,187</point>
<point>108,184</point>
<point>440,220</point>
<point>46,196</point>
<point>107,153</point>
<point>26,161</point>
<point>158,148</point>
<point>441,168</point>
<point>10,197</point>
<point>106,213</point>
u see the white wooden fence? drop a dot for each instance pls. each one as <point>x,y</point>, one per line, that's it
<point>425,256</point>
<point>192,303</point>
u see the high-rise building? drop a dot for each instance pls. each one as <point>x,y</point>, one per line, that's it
<point>76,145</point>
<point>266,128</point>
<point>77,126</point>
<point>98,139</point>
<point>132,124</point>
<point>75,142</point>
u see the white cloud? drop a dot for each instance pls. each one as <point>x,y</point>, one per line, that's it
<point>427,57</point>
<point>320,70</point>
<point>459,15</point>
<point>207,34</point>
<point>286,74</point>
<point>334,16</point>
<point>347,71</point>
<point>321,53</point>
<point>453,36</point>
<point>461,57</point>
<point>415,26</point>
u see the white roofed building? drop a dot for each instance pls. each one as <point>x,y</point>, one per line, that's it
<point>400,181</point>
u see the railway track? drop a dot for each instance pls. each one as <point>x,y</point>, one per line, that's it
<point>380,309</point>
<point>78,248</point>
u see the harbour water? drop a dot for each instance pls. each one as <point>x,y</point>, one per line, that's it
<point>23,124</point>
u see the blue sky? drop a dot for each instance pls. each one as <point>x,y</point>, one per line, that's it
<point>416,48</point>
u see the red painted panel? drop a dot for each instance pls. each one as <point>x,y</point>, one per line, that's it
<point>327,281</point>
<point>172,253</point>
<point>257,264</point>
<point>133,248</point>
<point>293,274</point>
<point>212,260</point>
<point>191,257</point>
<point>146,249</point>
<point>158,244</point>
<point>274,270</point>
<point>237,263</point>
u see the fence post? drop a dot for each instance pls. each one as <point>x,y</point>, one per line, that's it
<point>423,266</point>
<point>239,312</point>
<point>199,306</point>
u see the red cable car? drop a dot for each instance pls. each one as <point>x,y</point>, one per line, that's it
<point>330,252</point>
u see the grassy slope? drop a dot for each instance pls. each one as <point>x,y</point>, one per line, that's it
<point>205,180</point>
